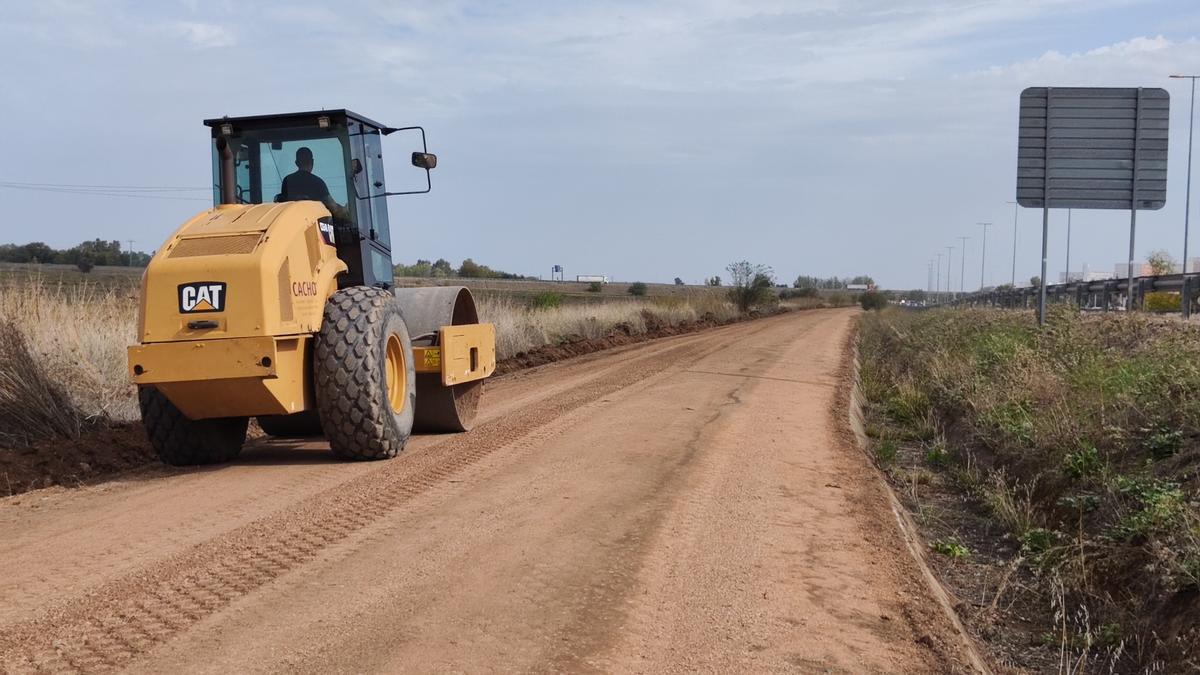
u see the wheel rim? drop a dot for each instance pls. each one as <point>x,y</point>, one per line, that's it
<point>397,367</point>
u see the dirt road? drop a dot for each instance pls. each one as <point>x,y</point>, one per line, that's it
<point>686,504</point>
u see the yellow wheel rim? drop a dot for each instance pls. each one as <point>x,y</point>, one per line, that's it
<point>397,370</point>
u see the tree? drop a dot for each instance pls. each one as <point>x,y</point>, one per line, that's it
<point>637,288</point>
<point>829,283</point>
<point>1161,262</point>
<point>1035,281</point>
<point>595,287</point>
<point>36,252</point>
<point>678,281</point>
<point>863,280</point>
<point>752,284</point>
<point>471,270</point>
<point>442,268</point>
<point>715,281</point>
<point>84,264</point>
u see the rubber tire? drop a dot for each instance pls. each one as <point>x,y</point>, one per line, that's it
<point>297,425</point>
<point>349,378</point>
<point>180,441</point>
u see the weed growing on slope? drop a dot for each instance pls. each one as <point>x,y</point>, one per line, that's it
<point>1079,443</point>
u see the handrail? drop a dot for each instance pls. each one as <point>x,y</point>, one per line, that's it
<point>1102,294</point>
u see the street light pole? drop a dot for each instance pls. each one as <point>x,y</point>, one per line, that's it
<point>1067,279</point>
<point>1014,267</point>
<point>939,275</point>
<point>949,267</point>
<point>962,266</point>
<point>983,255</point>
<point>1187,209</point>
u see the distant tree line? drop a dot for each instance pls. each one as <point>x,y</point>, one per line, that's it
<point>831,283</point>
<point>441,268</point>
<point>86,254</point>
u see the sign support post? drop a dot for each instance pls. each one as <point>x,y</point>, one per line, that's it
<point>1092,148</point>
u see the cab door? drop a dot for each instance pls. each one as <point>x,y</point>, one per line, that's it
<point>366,149</point>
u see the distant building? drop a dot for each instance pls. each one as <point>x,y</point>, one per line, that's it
<point>859,287</point>
<point>1084,275</point>
<point>1141,268</point>
<point>592,278</point>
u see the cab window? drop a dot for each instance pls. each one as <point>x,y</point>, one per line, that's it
<point>263,158</point>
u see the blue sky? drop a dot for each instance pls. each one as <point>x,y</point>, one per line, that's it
<point>643,140</point>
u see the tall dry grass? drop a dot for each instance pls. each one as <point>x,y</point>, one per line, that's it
<point>62,345</point>
<point>520,328</point>
<point>75,335</point>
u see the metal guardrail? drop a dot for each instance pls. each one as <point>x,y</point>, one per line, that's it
<point>1104,295</point>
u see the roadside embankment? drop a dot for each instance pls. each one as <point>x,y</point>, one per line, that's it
<point>1055,473</point>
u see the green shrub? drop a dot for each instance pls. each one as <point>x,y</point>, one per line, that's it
<point>1163,443</point>
<point>886,451</point>
<point>872,300</point>
<point>546,300</point>
<point>1162,302</point>
<point>936,455</point>
<point>1038,540</point>
<point>637,288</point>
<point>595,287</point>
<point>1082,463</point>
<point>1152,506</point>
<point>951,548</point>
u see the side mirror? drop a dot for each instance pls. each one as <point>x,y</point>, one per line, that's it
<point>424,160</point>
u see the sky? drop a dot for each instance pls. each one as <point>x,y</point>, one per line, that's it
<point>644,140</point>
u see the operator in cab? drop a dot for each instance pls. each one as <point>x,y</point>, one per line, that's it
<point>304,184</point>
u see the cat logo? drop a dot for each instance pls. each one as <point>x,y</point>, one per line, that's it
<point>202,296</point>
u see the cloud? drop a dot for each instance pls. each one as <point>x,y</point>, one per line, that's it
<point>202,35</point>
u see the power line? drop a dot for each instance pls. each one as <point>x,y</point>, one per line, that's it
<point>132,194</point>
<point>135,188</point>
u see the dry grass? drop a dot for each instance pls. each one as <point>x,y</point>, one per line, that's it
<point>520,328</point>
<point>62,344</point>
<point>75,335</point>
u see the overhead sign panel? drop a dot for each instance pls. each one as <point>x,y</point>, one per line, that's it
<point>1093,148</point>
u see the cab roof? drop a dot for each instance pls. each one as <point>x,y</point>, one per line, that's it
<point>293,119</point>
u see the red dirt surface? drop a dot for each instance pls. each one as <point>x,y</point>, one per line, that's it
<point>101,451</point>
<point>683,505</point>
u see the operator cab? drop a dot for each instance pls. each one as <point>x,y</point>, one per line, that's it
<point>252,156</point>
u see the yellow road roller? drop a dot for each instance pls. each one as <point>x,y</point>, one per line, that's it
<point>278,303</point>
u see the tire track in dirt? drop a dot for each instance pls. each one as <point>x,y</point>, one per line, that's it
<point>121,619</point>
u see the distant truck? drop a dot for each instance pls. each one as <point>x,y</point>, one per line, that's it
<point>592,278</point>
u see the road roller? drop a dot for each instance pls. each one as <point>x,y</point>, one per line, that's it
<point>278,303</point>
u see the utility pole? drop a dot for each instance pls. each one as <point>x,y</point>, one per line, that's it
<point>983,255</point>
<point>130,251</point>
<point>962,266</point>
<point>1014,266</point>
